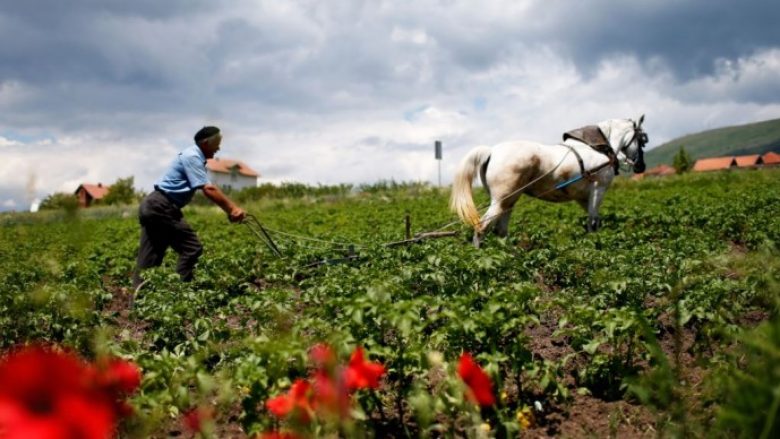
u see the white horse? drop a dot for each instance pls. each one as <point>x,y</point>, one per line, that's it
<point>571,170</point>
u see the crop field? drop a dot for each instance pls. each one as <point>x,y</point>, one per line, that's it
<point>663,323</point>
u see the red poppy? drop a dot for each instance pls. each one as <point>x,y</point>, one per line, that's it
<point>331,395</point>
<point>50,394</point>
<point>195,419</point>
<point>322,356</point>
<point>295,403</point>
<point>362,374</point>
<point>480,384</point>
<point>119,376</point>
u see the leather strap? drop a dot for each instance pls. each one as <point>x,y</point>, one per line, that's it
<point>592,136</point>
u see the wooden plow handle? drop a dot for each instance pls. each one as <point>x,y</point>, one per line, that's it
<point>259,231</point>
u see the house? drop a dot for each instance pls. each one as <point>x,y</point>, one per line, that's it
<point>231,174</point>
<point>658,171</point>
<point>771,159</point>
<point>741,161</point>
<point>714,164</point>
<point>748,161</point>
<point>89,193</point>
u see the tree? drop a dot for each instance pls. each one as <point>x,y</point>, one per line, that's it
<point>682,161</point>
<point>121,192</point>
<point>60,200</point>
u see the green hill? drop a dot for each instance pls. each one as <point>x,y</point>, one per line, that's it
<point>753,138</point>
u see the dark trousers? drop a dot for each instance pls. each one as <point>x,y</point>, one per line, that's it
<point>163,226</point>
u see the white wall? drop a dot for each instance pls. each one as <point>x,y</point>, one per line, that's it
<point>235,183</point>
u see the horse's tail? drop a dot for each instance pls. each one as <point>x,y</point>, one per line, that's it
<point>462,200</point>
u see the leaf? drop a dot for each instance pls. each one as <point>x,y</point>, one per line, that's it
<point>357,316</point>
<point>592,346</point>
<point>583,391</point>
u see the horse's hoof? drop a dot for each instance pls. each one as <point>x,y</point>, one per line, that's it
<point>593,225</point>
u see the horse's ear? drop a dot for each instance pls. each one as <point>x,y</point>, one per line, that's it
<point>641,119</point>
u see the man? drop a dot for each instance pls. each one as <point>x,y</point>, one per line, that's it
<point>162,222</point>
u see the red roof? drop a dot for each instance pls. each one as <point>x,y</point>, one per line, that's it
<point>771,158</point>
<point>661,170</point>
<point>226,166</point>
<point>747,161</point>
<point>658,171</point>
<point>714,164</point>
<point>96,191</point>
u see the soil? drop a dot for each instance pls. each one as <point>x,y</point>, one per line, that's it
<point>225,426</point>
<point>582,416</point>
<point>120,309</point>
<point>589,417</point>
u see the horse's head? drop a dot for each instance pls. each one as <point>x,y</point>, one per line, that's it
<point>629,143</point>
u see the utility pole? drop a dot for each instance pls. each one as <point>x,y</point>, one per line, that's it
<point>437,148</point>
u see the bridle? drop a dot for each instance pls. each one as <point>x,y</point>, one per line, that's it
<point>613,161</point>
<point>641,139</point>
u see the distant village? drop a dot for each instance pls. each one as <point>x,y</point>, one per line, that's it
<point>753,161</point>
<point>230,175</point>
<point>234,175</point>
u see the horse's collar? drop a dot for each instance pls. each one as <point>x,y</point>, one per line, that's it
<point>592,136</point>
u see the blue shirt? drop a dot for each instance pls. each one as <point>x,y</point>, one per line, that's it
<point>185,175</point>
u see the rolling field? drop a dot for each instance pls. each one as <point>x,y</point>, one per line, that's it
<point>753,138</point>
<point>663,323</point>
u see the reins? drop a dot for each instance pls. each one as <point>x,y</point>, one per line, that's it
<point>448,225</point>
<point>560,186</point>
<point>587,174</point>
<point>264,234</point>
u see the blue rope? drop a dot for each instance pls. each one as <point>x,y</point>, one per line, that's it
<point>568,182</point>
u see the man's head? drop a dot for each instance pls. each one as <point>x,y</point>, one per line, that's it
<point>208,140</point>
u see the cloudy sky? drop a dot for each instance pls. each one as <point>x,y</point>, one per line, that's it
<point>351,91</point>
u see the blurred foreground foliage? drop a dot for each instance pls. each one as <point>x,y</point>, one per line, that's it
<point>677,293</point>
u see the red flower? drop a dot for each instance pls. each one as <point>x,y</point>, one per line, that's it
<point>322,356</point>
<point>480,385</point>
<point>195,419</point>
<point>331,395</point>
<point>120,377</point>
<point>295,403</point>
<point>50,394</point>
<point>361,374</point>
<point>116,378</point>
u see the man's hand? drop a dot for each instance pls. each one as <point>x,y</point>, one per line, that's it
<point>236,215</point>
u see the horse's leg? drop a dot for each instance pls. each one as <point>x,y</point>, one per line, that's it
<point>486,222</point>
<point>595,197</point>
<point>502,225</point>
<point>502,212</point>
<point>483,177</point>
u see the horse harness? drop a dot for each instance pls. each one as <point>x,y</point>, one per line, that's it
<point>592,136</point>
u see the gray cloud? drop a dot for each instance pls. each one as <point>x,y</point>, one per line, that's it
<point>357,90</point>
<point>689,36</point>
